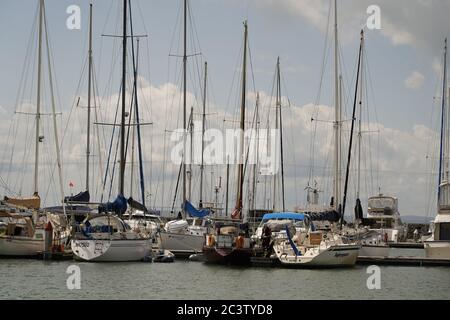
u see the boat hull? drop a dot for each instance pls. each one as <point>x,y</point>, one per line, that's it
<point>20,246</point>
<point>181,245</point>
<point>228,256</point>
<point>333,257</point>
<point>437,249</point>
<point>111,250</point>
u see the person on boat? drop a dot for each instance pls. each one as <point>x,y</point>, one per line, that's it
<point>266,237</point>
<point>179,216</point>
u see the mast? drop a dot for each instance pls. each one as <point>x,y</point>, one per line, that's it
<point>227,186</point>
<point>38,103</point>
<point>274,200</point>
<point>352,128</point>
<point>184,105</point>
<point>122,123</point>
<point>240,173</point>
<point>202,168</point>
<point>281,133</point>
<point>88,131</point>
<point>55,127</point>
<point>337,124</point>
<point>443,156</point>
<point>136,104</point>
<point>191,132</point>
<point>361,82</point>
<point>255,166</point>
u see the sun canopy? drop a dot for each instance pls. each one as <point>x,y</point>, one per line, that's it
<point>284,216</point>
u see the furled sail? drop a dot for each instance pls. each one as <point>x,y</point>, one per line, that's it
<point>83,196</point>
<point>136,205</point>
<point>118,206</point>
<point>193,212</point>
<point>332,216</point>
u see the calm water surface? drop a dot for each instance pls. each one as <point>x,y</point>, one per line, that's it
<point>33,279</point>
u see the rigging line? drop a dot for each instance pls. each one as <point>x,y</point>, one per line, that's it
<point>22,84</point>
<point>319,93</point>
<point>110,147</point>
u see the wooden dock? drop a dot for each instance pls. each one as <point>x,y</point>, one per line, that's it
<point>404,261</point>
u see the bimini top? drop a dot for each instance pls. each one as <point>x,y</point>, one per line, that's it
<point>284,216</point>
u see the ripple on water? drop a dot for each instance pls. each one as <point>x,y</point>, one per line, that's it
<point>32,279</point>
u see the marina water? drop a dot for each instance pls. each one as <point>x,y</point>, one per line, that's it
<point>34,279</point>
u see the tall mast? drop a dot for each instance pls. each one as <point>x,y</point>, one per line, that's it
<point>443,157</point>
<point>88,131</point>
<point>38,103</point>
<point>274,200</point>
<point>227,186</point>
<point>191,133</point>
<point>136,104</point>
<point>122,123</point>
<point>447,118</point>
<point>255,166</point>
<point>240,174</point>
<point>361,82</point>
<point>184,104</point>
<point>337,124</point>
<point>281,133</point>
<point>349,155</point>
<point>55,127</point>
<point>202,168</point>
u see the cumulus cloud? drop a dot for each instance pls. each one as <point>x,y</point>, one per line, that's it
<point>415,80</point>
<point>418,23</point>
<point>394,159</point>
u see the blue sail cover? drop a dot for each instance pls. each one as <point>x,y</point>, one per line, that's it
<point>193,212</point>
<point>118,206</point>
<point>284,216</point>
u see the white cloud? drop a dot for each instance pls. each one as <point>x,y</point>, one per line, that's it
<point>400,158</point>
<point>415,81</point>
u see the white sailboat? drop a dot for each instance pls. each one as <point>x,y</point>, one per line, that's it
<point>309,247</point>
<point>438,245</point>
<point>185,236</point>
<point>107,237</point>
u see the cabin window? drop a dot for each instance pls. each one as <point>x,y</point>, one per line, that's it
<point>444,231</point>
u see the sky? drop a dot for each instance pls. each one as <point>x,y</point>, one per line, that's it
<point>403,66</point>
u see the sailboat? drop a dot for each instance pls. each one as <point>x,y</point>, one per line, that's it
<point>438,245</point>
<point>23,232</point>
<point>230,243</point>
<point>106,237</point>
<point>184,237</point>
<point>304,245</point>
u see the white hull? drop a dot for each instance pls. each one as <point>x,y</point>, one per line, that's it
<point>111,250</point>
<point>182,244</point>
<point>374,251</point>
<point>437,249</point>
<point>333,256</point>
<point>20,246</point>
